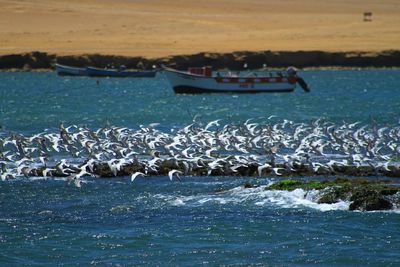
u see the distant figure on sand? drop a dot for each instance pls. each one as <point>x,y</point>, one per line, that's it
<point>367,16</point>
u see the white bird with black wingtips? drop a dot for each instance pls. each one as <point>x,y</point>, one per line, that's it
<point>171,173</point>
<point>136,174</point>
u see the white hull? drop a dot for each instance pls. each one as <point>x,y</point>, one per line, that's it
<point>184,82</point>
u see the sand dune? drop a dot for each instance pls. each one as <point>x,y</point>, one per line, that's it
<point>156,28</point>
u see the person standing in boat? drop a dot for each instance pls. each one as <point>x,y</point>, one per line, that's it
<point>122,68</point>
<point>292,72</point>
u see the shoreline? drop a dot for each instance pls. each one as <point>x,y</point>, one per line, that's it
<point>42,61</point>
<point>333,68</point>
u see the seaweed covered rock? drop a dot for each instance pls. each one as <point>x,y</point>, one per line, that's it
<point>371,198</point>
<point>364,194</point>
<point>334,194</point>
<point>288,185</point>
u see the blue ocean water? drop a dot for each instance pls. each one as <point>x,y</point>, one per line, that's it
<point>154,221</point>
<point>35,101</point>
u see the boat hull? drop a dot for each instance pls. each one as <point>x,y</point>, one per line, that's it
<point>95,72</point>
<point>186,83</point>
<point>199,90</point>
<point>63,70</point>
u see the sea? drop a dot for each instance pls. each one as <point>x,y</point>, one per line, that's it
<point>206,220</point>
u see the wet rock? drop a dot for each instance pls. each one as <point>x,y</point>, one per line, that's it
<point>248,185</point>
<point>367,198</point>
<point>132,168</point>
<point>334,195</point>
<point>371,203</point>
<point>104,170</point>
<point>27,61</point>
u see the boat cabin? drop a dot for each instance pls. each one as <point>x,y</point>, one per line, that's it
<point>202,71</point>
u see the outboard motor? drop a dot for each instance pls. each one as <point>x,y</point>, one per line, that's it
<point>292,72</point>
<point>302,84</point>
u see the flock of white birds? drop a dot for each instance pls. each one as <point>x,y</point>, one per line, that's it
<point>271,147</point>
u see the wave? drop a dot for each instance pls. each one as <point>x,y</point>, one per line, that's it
<point>259,197</point>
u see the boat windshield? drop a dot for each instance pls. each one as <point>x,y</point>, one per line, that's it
<point>245,74</point>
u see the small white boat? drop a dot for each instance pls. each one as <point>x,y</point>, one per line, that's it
<point>120,73</point>
<point>70,71</point>
<point>203,80</point>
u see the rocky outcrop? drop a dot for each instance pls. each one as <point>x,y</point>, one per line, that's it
<point>164,166</point>
<point>364,195</point>
<point>103,169</point>
<point>28,61</point>
<point>234,60</point>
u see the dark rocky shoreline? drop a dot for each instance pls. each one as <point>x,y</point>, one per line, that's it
<point>102,169</point>
<point>235,60</point>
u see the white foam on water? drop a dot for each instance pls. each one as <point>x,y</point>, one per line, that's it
<point>297,198</point>
<point>258,196</point>
<point>45,212</point>
<point>122,208</point>
<point>217,200</point>
<point>177,202</point>
<point>38,178</point>
<point>313,196</point>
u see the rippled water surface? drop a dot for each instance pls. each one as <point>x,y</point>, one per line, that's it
<point>156,222</point>
<point>202,220</point>
<point>34,101</point>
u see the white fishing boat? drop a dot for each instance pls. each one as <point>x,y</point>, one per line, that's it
<point>204,80</point>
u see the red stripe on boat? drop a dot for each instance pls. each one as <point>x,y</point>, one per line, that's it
<point>252,79</point>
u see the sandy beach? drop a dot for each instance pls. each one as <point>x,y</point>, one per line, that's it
<point>159,28</point>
